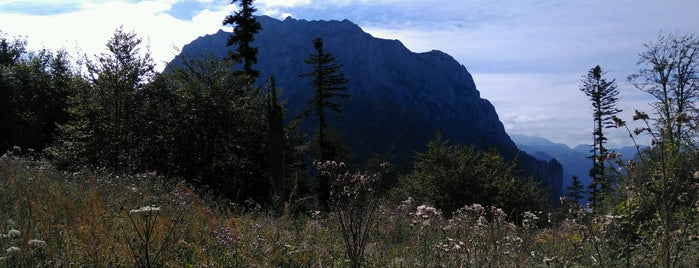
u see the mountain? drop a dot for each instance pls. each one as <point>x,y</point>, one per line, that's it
<point>398,99</point>
<point>575,160</point>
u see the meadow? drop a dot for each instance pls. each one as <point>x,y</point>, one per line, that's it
<point>52,218</point>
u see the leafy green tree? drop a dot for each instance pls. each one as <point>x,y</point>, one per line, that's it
<point>450,176</point>
<point>245,27</point>
<point>34,88</point>
<point>669,74</point>
<point>603,95</point>
<point>103,130</point>
<point>661,192</point>
<point>218,135</point>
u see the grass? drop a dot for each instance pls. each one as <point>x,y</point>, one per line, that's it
<point>50,218</point>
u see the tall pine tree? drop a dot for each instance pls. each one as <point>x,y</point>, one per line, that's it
<point>603,95</point>
<point>328,83</point>
<point>245,26</point>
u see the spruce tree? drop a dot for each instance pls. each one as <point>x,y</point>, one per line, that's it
<point>245,26</point>
<point>328,83</point>
<point>603,95</point>
<point>575,192</point>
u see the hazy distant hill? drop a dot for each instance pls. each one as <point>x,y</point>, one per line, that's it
<point>399,99</point>
<point>575,161</point>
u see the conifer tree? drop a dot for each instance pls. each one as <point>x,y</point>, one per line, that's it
<point>575,192</point>
<point>603,95</point>
<point>245,26</point>
<point>328,83</point>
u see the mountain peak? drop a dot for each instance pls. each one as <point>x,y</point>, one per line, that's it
<point>398,98</point>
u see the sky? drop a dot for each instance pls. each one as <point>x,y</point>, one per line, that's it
<point>527,57</point>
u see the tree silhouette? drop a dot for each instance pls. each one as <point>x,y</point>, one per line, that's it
<point>328,82</point>
<point>245,26</point>
<point>603,95</point>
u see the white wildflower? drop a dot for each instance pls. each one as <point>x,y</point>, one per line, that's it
<point>12,250</point>
<point>37,243</point>
<point>13,233</point>
<point>145,210</point>
<point>426,211</point>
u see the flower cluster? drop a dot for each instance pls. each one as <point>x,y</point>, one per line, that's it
<point>224,236</point>
<point>147,210</point>
<point>424,214</point>
<point>347,186</point>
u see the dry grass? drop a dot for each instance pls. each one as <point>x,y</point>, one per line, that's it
<point>50,218</point>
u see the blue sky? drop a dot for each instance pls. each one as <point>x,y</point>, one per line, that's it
<point>526,56</point>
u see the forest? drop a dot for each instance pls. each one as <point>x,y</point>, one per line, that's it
<point>109,163</point>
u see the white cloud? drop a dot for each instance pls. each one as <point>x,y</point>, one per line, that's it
<point>282,3</point>
<point>88,29</point>
<point>526,56</point>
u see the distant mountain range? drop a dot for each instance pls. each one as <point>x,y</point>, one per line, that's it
<point>398,99</point>
<point>575,161</point>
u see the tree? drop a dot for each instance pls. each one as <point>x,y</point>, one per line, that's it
<point>669,74</point>
<point>450,176</point>
<point>218,136</point>
<point>604,97</point>
<point>663,186</point>
<point>245,27</point>
<point>275,119</point>
<point>34,89</point>
<point>103,130</point>
<point>575,192</point>
<point>328,83</point>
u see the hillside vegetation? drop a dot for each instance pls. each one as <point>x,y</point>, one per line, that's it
<point>109,163</point>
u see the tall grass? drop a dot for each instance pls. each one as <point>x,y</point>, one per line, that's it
<point>50,218</point>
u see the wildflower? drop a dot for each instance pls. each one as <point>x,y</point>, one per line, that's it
<point>12,250</point>
<point>224,236</point>
<point>147,210</point>
<point>37,243</point>
<point>548,260</point>
<point>617,121</point>
<point>682,118</point>
<point>640,116</point>
<point>13,233</point>
<point>693,238</point>
<point>639,130</point>
<point>426,211</point>
<point>529,218</point>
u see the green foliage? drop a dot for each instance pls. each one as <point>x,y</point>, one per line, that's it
<point>657,192</point>
<point>245,27</point>
<point>603,95</point>
<point>328,83</point>
<point>218,135</point>
<point>669,73</point>
<point>452,176</point>
<point>34,88</point>
<point>104,109</point>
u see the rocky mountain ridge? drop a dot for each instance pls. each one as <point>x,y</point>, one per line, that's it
<point>398,99</point>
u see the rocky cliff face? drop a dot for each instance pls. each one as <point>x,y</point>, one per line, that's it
<point>398,99</point>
